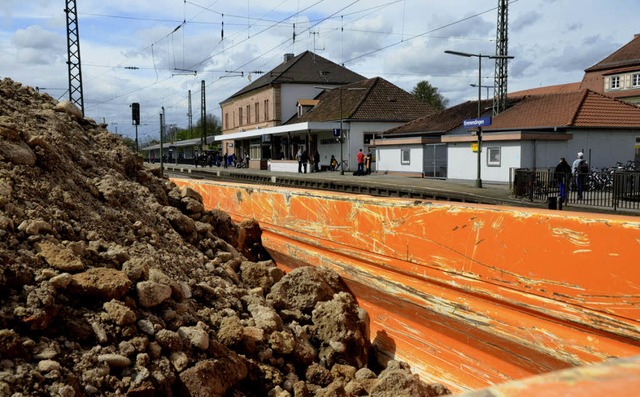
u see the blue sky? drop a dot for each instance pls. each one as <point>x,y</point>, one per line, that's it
<point>403,41</point>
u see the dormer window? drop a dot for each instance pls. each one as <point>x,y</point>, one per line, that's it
<point>615,82</point>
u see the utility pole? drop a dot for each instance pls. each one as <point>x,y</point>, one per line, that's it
<point>190,116</point>
<point>161,143</point>
<point>203,115</point>
<point>501,75</point>
<point>73,56</point>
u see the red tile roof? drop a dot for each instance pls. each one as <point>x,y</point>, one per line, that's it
<point>550,89</point>
<point>578,109</point>
<point>582,109</point>
<point>627,55</point>
<point>443,120</point>
<point>371,99</point>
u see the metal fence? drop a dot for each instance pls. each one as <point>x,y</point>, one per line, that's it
<point>600,188</point>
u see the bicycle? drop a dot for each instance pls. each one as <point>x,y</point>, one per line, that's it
<point>344,164</point>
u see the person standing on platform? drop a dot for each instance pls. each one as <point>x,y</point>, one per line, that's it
<point>305,160</point>
<point>580,170</point>
<point>360,160</point>
<point>367,162</point>
<point>316,162</point>
<point>562,172</point>
<point>299,158</point>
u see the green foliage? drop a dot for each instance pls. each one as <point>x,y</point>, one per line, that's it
<point>426,93</point>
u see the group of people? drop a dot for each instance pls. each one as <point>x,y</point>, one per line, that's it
<point>303,159</point>
<point>364,162</point>
<point>563,173</point>
<point>211,159</point>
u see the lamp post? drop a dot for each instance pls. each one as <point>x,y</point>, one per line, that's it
<point>479,85</point>
<point>483,86</point>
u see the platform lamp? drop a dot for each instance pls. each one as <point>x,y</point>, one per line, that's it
<point>479,85</point>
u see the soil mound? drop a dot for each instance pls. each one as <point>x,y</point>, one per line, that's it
<point>115,282</point>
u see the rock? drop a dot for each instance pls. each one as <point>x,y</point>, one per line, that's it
<point>213,378</point>
<point>61,281</point>
<point>179,360</point>
<point>146,326</point>
<point>343,329</point>
<point>184,225</point>
<point>188,192</point>
<point>48,366</point>
<point>151,293</point>
<point>10,344</point>
<point>35,226</point>
<point>302,288</point>
<point>114,360</point>
<point>282,342</point>
<point>101,283</point>
<point>69,108</point>
<point>137,268</point>
<point>59,257</point>
<point>197,337</point>
<point>17,153</point>
<point>169,340</point>
<point>119,313</point>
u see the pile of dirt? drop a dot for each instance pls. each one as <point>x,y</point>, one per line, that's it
<point>115,282</point>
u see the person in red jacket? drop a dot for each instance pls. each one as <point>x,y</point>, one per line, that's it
<point>360,158</point>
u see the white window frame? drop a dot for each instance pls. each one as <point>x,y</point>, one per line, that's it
<point>635,79</point>
<point>405,153</point>
<point>614,83</point>
<point>494,156</point>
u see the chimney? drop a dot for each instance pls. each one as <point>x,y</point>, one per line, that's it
<point>288,56</point>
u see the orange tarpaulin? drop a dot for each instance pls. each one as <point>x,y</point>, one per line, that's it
<point>469,295</point>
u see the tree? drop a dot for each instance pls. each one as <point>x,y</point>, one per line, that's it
<point>426,93</point>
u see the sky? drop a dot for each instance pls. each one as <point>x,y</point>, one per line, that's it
<point>155,51</point>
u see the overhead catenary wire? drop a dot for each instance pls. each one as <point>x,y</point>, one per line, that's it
<point>344,27</point>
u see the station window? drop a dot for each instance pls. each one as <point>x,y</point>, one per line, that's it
<point>405,156</point>
<point>493,157</point>
<point>615,82</point>
<point>266,110</point>
<point>239,116</point>
<point>636,80</point>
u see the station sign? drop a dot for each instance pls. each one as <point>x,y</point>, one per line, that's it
<point>337,132</point>
<point>477,122</point>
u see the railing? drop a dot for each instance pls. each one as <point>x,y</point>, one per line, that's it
<point>608,188</point>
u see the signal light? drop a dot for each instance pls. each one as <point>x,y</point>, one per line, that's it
<point>135,113</point>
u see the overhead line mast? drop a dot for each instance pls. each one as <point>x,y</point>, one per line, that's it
<point>501,75</point>
<point>73,56</point>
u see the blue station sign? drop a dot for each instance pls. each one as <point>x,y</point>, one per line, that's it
<point>479,122</point>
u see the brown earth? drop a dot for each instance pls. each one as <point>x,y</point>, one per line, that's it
<point>115,282</point>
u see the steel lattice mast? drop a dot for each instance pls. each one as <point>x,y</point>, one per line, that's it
<point>500,75</point>
<point>73,55</point>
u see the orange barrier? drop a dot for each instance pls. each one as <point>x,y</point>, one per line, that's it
<point>469,295</point>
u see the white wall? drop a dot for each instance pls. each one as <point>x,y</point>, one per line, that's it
<point>600,148</point>
<point>355,140</point>
<point>388,158</point>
